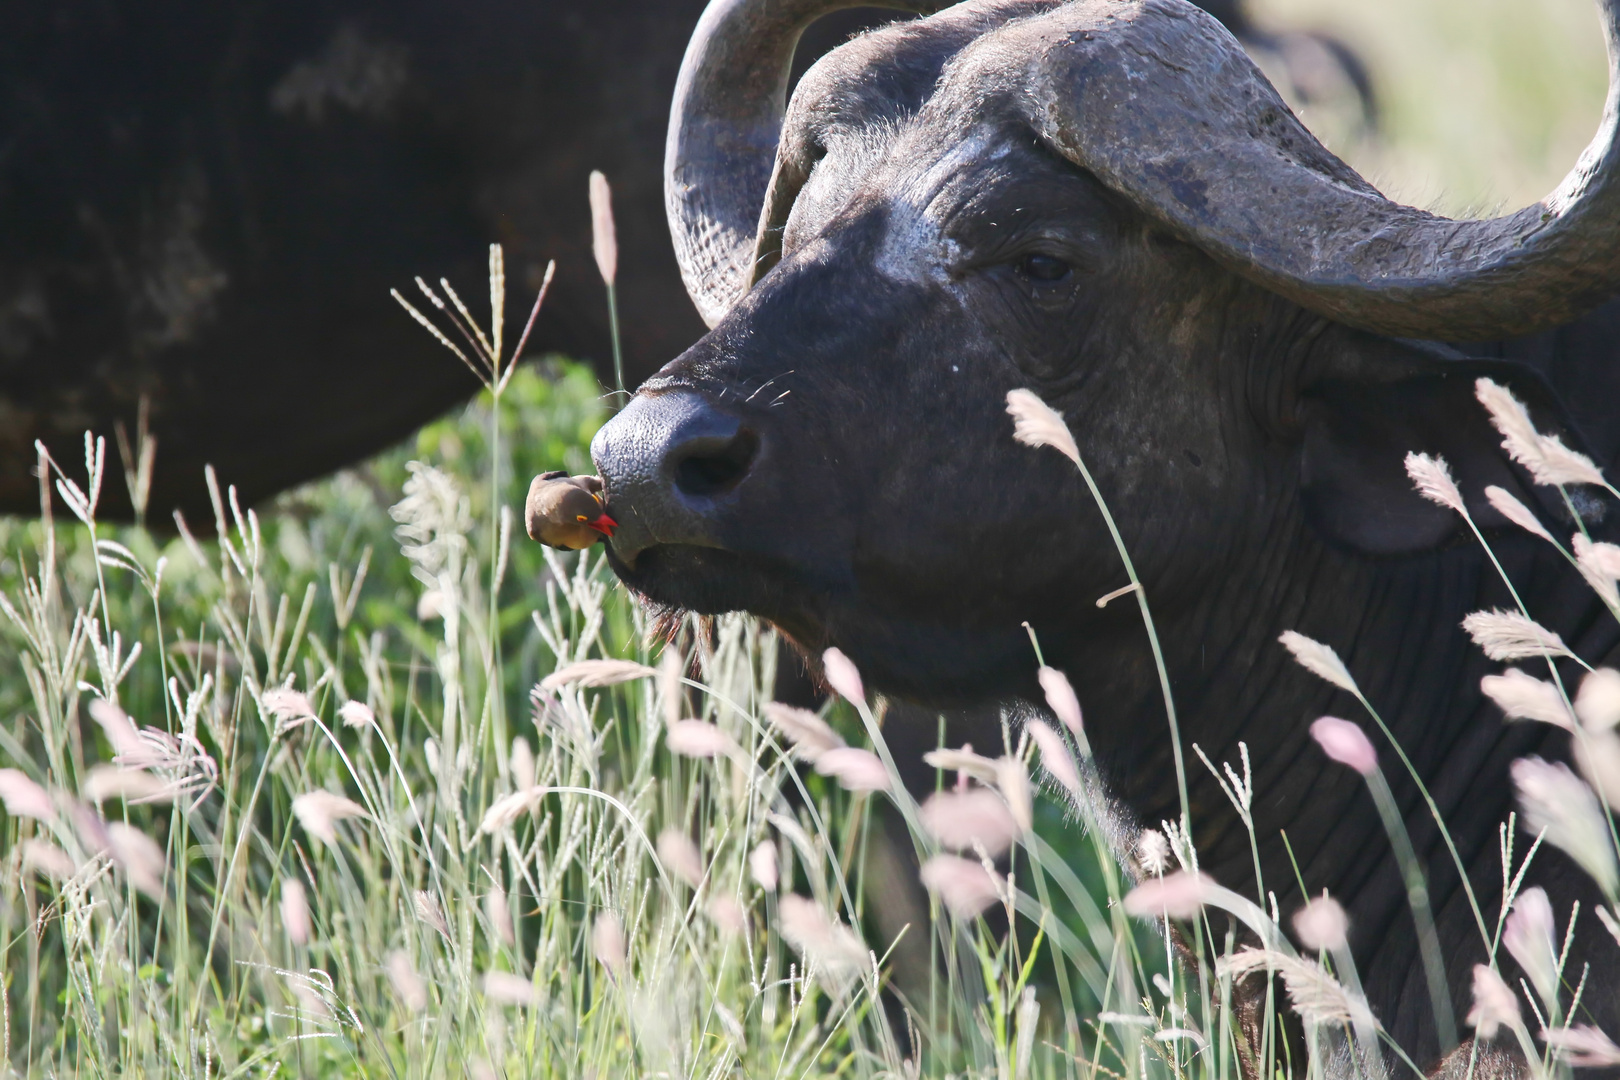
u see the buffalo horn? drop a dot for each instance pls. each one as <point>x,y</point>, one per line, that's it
<point>1158,101</point>
<point>723,130</point>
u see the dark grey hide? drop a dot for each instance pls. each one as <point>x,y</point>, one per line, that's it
<point>983,201</point>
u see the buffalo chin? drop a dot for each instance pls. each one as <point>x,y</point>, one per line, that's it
<point>924,662</point>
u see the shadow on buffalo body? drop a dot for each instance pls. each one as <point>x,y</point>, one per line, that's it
<point>1108,204</point>
<point>205,206</point>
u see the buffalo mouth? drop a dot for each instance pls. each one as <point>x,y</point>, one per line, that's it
<point>928,662</point>
<point>714,581</point>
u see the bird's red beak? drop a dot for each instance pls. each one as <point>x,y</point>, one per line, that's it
<point>604,525</point>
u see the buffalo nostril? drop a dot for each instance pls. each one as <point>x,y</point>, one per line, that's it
<point>708,466</point>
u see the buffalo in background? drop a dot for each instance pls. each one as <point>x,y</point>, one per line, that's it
<point>204,205</point>
<point>1104,201</point>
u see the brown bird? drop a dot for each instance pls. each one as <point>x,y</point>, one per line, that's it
<point>565,511</point>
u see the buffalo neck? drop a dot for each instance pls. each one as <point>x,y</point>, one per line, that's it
<point>1396,623</point>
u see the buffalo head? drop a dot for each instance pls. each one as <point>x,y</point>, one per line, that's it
<point>1105,202</point>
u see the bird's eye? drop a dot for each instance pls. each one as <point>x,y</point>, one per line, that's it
<point>1043,268</point>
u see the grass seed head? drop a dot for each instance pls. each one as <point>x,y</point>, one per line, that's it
<point>808,928</point>
<point>1013,780</point>
<point>407,984</point>
<point>1060,697</point>
<point>1432,478</point>
<point>1319,659</point>
<point>1598,701</point>
<point>1521,696</point>
<point>592,674</point>
<point>139,856</point>
<point>1512,420</point>
<point>1153,851</point>
<point>287,705</point>
<point>1583,1046</point>
<point>1346,743</point>
<point>698,739</point>
<point>1322,925</point>
<point>1037,424</point>
<point>728,915</point>
<point>1546,457</point>
<point>1508,635</point>
<point>810,735</point>
<point>320,811</point>
<point>1599,564</point>
<point>1558,802</point>
<point>116,725</point>
<point>508,808</point>
<point>357,714</point>
<point>1516,512</point>
<point>964,886</point>
<point>762,865</point>
<point>133,786</point>
<point>1562,466</point>
<point>1315,995</point>
<point>522,763</point>
<point>23,797</point>
<point>854,769</point>
<point>429,912</point>
<point>607,944</point>
<point>1495,1007</point>
<point>46,858</point>
<point>974,819</point>
<point>604,238</point>
<point>844,677</point>
<point>1055,757</point>
<point>1180,895</point>
<point>680,856</point>
<point>499,913</point>
<point>295,911</point>
<point>1531,938</point>
<point>505,988</point>
<point>671,668</point>
<point>964,762</point>
<point>1597,756</point>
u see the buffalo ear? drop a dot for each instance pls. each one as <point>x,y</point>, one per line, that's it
<point>1358,433</point>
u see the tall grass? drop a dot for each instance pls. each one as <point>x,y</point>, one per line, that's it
<point>369,786</point>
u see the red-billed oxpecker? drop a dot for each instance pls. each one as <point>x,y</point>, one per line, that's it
<point>565,511</point>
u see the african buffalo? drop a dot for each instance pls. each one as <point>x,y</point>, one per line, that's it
<point>1106,202</point>
<point>204,205</point>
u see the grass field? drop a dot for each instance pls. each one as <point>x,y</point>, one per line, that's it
<point>363,782</point>
<point>1486,104</point>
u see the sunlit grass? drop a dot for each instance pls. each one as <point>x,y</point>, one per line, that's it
<point>1486,103</point>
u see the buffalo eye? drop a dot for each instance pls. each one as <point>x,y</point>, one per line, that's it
<point>1043,268</point>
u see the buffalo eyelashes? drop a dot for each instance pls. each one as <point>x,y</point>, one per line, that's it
<point>1043,268</point>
